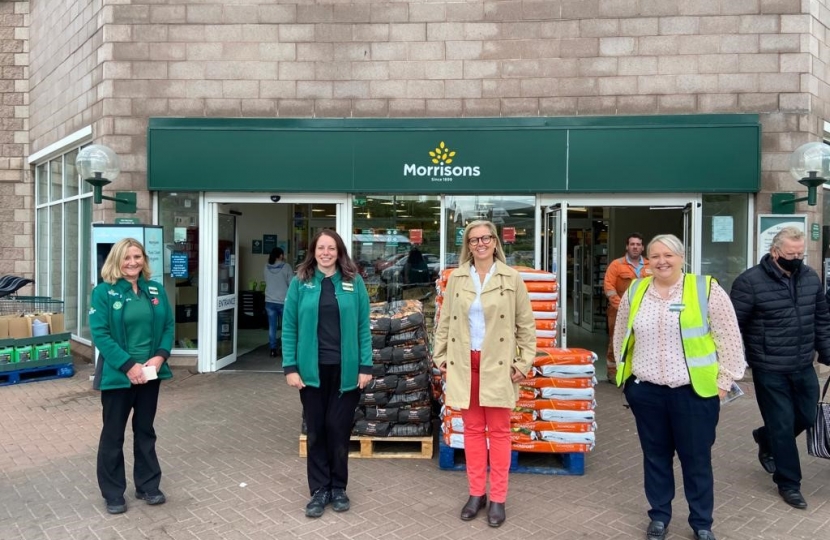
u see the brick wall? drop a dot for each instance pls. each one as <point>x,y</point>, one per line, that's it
<point>16,213</point>
<point>115,65</point>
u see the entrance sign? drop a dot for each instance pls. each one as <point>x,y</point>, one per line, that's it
<point>770,224</point>
<point>508,235</point>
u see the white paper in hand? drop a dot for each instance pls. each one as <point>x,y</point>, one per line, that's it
<point>150,372</point>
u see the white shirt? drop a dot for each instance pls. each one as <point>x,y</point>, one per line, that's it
<point>476,315</point>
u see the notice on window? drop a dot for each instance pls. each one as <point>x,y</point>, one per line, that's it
<point>723,229</point>
<point>178,265</point>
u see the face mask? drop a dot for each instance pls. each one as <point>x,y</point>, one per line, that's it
<point>790,265</point>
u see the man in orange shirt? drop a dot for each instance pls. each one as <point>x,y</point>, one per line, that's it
<point>619,275</point>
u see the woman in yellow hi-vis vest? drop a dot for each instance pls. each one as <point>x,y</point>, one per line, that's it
<point>679,348</point>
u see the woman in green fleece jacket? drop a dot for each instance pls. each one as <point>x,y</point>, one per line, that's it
<point>132,327</point>
<point>327,355</point>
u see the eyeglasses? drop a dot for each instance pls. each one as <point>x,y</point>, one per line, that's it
<point>485,240</point>
<point>792,256</point>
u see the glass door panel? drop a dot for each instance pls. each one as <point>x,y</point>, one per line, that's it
<point>227,276</point>
<point>554,257</point>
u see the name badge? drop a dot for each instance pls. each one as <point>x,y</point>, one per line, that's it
<point>348,287</point>
<point>153,290</point>
<point>677,307</point>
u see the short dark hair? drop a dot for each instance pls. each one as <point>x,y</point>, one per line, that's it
<point>636,235</point>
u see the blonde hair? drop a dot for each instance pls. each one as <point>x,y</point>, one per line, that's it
<point>787,233</point>
<point>466,255</point>
<point>670,241</point>
<point>111,271</point>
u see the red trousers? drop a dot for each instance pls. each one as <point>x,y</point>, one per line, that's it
<point>496,422</point>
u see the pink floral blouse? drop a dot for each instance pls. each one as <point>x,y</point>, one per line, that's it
<point>658,350</point>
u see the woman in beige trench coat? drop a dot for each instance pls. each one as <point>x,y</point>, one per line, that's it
<point>485,343</point>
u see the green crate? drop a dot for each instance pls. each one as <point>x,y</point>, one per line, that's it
<point>42,351</point>
<point>6,354</point>
<point>60,348</point>
<point>23,353</point>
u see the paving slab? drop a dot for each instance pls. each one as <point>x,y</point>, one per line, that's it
<point>228,445</point>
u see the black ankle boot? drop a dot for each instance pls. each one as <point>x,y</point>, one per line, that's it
<point>474,504</point>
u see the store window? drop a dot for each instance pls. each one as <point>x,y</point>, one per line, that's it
<point>397,244</point>
<point>725,237</point>
<point>825,237</point>
<point>63,213</point>
<point>513,216</point>
<point>179,217</point>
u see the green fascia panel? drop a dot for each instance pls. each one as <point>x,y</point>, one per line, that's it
<point>665,159</point>
<point>249,160</point>
<point>493,160</point>
<point>694,153</point>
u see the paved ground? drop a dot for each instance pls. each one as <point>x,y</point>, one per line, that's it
<point>228,445</point>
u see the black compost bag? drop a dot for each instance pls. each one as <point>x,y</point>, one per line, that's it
<point>374,399</point>
<point>411,398</point>
<point>413,415</point>
<point>411,337</point>
<point>378,370</point>
<point>410,430</point>
<point>410,320</point>
<point>378,341</point>
<point>382,414</point>
<point>410,368</point>
<point>412,384</point>
<point>380,325</point>
<point>373,429</point>
<point>387,383</point>
<point>403,354</point>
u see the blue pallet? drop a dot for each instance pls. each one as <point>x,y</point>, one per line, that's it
<point>38,373</point>
<point>572,464</point>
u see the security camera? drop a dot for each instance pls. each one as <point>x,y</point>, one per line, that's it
<point>275,198</point>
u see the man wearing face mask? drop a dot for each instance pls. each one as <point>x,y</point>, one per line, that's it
<point>783,315</point>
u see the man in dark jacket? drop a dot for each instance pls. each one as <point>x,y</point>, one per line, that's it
<point>784,320</point>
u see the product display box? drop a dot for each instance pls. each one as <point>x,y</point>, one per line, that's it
<point>20,327</point>
<point>187,295</point>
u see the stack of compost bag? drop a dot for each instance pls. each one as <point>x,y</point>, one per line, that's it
<point>397,403</point>
<point>555,411</point>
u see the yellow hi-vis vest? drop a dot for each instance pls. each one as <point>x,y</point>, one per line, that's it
<point>698,345</point>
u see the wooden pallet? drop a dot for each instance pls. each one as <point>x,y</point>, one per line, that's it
<point>452,459</point>
<point>34,371</point>
<point>383,447</point>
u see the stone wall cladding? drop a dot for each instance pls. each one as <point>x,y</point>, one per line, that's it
<point>16,214</point>
<point>104,63</point>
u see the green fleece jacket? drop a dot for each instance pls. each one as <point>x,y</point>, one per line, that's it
<point>109,334</point>
<point>299,329</point>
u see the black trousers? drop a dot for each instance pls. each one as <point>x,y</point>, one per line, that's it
<point>329,416</point>
<point>673,420</point>
<point>142,400</point>
<point>788,405</point>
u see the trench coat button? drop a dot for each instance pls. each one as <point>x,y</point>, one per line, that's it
<point>502,293</point>
<point>456,295</point>
<point>501,339</point>
<point>454,317</point>
<point>452,339</point>
<point>452,363</point>
<point>501,363</point>
<point>501,316</point>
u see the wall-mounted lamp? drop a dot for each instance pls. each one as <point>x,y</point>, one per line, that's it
<point>99,166</point>
<point>810,165</point>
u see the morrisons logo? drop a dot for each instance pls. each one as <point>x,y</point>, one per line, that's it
<point>442,169</point>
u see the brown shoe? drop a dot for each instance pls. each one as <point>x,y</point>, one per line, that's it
<point>495,514</point>
<point>474,504</point>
